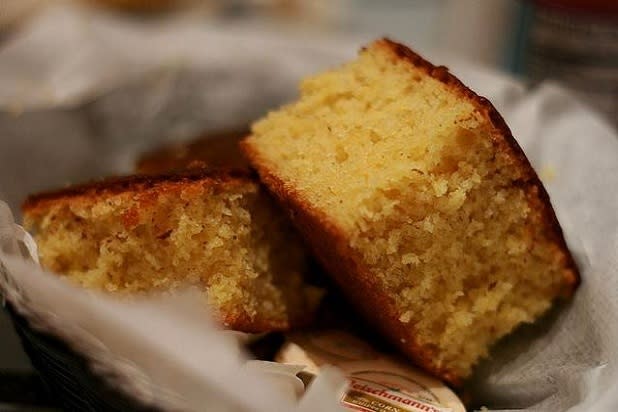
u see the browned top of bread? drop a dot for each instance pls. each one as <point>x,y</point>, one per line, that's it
<point>135,183</point>
<point>502,136</point>
<point>441,73</point>
<point>215,150</point>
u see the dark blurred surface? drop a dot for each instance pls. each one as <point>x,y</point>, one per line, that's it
<point>24,391</point>
<point>12,357</point>
<point>64,379</point>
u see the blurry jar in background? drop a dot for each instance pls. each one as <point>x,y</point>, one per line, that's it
<point>481,31</point>
<point>574,42</point>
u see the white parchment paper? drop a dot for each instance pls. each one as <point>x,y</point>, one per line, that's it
<point>81,95</point>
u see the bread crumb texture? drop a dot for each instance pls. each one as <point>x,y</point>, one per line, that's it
<point>432,203</point>
<point>222,237</point>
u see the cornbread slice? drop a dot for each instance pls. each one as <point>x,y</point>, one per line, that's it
<point>217,232</point>
<point>214,150</point>
<point>414,195</point>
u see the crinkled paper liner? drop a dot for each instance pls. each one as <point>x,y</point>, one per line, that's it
<point>18,257</point>
<point>566,361</point>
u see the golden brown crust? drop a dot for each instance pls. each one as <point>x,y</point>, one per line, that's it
<point>135,183</point>
<point>214,150</point>
<point>505,142</point>
<point>242,322</point>
<point>332,249</point>
<point>145,189</point>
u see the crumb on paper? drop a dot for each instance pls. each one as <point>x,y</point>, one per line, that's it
<point>547,174</point>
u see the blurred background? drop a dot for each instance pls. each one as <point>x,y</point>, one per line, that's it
<point>571,42</point>
<point>574,42</point>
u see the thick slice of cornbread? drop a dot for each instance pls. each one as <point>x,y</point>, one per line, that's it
<point>414,195</point>
<point>218,232</point>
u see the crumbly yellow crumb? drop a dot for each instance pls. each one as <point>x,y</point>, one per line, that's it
<point>406,170</point>
<point>225,238</point>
